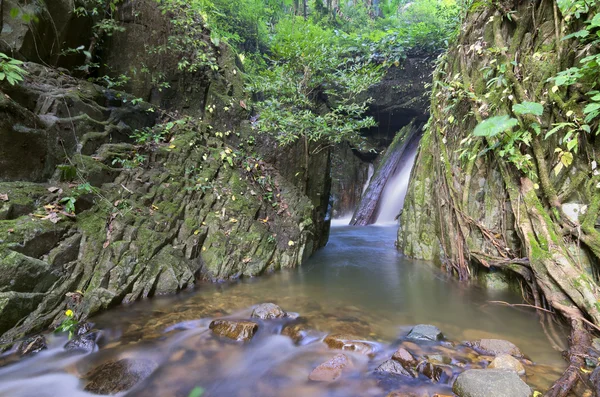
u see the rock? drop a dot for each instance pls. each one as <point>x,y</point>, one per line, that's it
<point>433,371</point>
<point>32,345</point>
<point>505,361</point>
<point>425,333</point>
<point>234,329</point>
<point>331,370</point>
<point>118,376</point>
<point>394,367</point>
<point>490,383</point>
<point>404,357</point>
<point>348,342</point>
<point>495,347</point>
<point>300,332</point>
<point>268,311</point>
<point>83,343</point>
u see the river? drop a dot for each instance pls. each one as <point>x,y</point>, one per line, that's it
<point>358,284</point>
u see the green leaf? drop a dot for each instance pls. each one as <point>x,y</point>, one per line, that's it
<point>196,392</point>
<point>591,107</point>
<point>14,12</point>
<point>494,126</point>
<point>537,109</point>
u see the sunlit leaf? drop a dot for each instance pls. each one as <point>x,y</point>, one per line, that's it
<point>494,126</point>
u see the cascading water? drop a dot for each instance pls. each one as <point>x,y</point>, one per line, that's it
<point>345,220</point>
<point>392,198</point>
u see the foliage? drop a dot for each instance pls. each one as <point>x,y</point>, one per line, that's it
<point>68,202</point>
<point>10,69</point>
<point>309,61</point>
<point>69,324</point>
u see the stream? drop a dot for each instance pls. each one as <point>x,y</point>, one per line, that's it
<point>358,284</point>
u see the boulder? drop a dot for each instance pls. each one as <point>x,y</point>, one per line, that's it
<point>436,373</point>
<point>234,329</point>
<point>490,383</point>
<point>268,311</point>
<point>394,367</point>
<point>330,370</point>
<point>348,342</point>
<point>505,361</point>
<point>495,347</point>
<point>425,332</point>
<point>117,376</point>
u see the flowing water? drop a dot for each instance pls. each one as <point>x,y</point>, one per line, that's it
<point>359,284</point>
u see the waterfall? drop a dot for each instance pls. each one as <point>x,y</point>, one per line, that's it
<point>369,176</point>
<point>392,198</point>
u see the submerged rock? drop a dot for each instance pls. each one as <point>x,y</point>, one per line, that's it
<point>268,311</point>
<point>234,329</point>
<point>330,370</point>
<point>490,383</point>
<point>495,347</point>
<point>118,376</point>
<point>425,332</point>
<point>394,367</point>
<point>348,342</point>
<point>505,361</point>
<point>436,373</point>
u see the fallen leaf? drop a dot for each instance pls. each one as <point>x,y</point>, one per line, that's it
<point>3,197</point>
<point>243,105</point>
<point>155,208</point>
<point>291,243</point>
<point>52,217</point>
<point>11,230</point>
<point>54,189</point>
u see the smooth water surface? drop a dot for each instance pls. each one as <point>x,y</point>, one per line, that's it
<point>359,284</point>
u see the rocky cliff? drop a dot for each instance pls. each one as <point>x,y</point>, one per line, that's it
<point>91,217</point>
<point>497,200</point>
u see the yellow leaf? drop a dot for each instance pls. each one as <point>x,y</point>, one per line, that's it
<point>233,198</point>
<point>196,232</point>
<point>555,89</point>
<point>172,147</point>
<point>155,208</point>
<point>203,248</point>
<point>291,243</point>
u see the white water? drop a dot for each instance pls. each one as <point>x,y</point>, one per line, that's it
<point>370,175</point>
<point>392,198</point>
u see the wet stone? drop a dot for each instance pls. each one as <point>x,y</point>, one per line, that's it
<point>404,357</point>
<point>432,371</point>
<point>490,383</point>
<point>330,370</point>
<point>505,361</point>
<point>349,343</point>
<point>495,347</point>
<point>32,345</point>
<point>424,332</point>
<point>117,376</point>
<point>394,367</point>
<point>268,311</point>
<point>234,329</point>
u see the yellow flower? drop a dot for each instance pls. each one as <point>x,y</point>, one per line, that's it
<point>69,313</point>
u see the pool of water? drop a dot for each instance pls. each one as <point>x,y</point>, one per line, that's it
<point>359,284</point>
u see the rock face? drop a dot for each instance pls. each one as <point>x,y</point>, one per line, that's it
<point>495,347</point>
<point>118,376</point>
<point>164,214</point>
<point>490,383</point>
<point>268,311</point>
<point>331,370</point>
<point>236,330</point>
<point>424,332</point>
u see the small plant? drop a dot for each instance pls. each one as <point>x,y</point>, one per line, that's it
<point>69,201</point>
<point>69,324</point>
<point>10,69</point>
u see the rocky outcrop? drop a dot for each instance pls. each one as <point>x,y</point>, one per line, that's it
<point>487,202</point>
<point>147,218</point>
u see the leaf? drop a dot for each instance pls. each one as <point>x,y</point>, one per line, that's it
<point>196,392</point>
<point>591,107</point>
<point>537,109</point>
<point>566,159</point>
<point>14,12</point>
<point>494,126</point>
<point>3,197</point>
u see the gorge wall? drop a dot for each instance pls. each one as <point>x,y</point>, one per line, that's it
<point>147,219</point>
<point>500,201</point>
